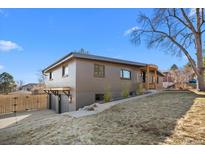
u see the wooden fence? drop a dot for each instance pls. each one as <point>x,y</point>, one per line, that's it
<point>22,102</point>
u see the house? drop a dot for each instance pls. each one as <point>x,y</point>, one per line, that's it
<point>28,87</point>
<point>77,79</point>
<point>168,79</point>
<point>179,78</point>
<point>33,88</point>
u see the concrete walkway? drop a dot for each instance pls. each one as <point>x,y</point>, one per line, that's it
<point>105,106</point>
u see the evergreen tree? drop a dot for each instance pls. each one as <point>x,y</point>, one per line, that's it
<point>7,83</point>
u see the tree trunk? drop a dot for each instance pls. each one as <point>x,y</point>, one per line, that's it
<point>201,82</point>
<point>200,63</point>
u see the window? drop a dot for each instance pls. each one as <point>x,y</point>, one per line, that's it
<point>143,75</point>
<point>50,76</point>
<point>99,97</point>
<point>125,74</point>
<point>99,70</point>
<point>65,71</point>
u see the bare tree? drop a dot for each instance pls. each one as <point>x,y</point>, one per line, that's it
<point>176,31</point>
<point>19,84</point>
<point>41,77</point>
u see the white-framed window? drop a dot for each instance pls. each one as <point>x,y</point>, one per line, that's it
<point>64,71</point>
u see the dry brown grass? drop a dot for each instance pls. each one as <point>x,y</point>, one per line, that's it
<point>190,129</point>
<point>156,119</point>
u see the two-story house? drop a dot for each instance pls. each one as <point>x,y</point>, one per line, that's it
<point>77,80</point>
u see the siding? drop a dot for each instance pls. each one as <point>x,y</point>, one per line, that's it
<point>70,81</point>
<point>87,85</point>
<point>84,85</point>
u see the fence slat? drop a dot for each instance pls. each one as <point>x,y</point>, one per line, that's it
<point>23,102</point>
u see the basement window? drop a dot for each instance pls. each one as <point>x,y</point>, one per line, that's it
<point>99,97</point>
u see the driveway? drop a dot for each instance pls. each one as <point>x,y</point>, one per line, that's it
<point>165,118</point>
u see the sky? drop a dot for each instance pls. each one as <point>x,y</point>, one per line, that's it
<point>32,39</point>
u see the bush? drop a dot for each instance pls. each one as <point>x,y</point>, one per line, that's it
<point>139,89</point>
<point>107,95</point>
<point>125,92</point>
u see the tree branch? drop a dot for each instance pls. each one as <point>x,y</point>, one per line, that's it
<point>178,18</point>
<point>188,21</point>
<point>177,44</point>
<point>198,20</point>
<point>202,18</point>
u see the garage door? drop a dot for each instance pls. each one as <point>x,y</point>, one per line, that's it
<point>64,103</point>
<point>53,102</point>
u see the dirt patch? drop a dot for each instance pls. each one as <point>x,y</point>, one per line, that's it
<point>155,119</point>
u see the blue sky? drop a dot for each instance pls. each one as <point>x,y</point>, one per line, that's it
<point>31,39</point>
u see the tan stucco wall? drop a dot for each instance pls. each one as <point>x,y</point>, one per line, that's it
<point>87,85</point>
<point>70,81</point>
<point>84,85</point>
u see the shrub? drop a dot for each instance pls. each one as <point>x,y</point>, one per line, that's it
<point>139,89</point>
<point>125,92</point>
<point>107,95</point>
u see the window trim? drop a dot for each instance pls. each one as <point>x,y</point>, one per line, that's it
<point>97,75</point>
<point>122,76</point>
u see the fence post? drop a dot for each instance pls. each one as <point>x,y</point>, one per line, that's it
<point>15,104</point>
<point>27,102</point>
<point>37,103</point>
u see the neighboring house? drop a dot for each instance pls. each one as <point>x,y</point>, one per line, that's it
<point>28,87</point>
<point>34,88</point>
<point>167,79</point>
<point>78,80</point>
<point>178,79</point>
